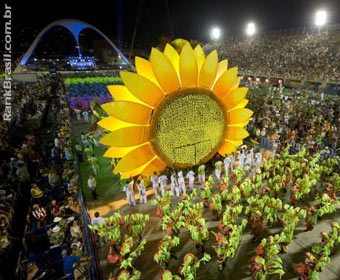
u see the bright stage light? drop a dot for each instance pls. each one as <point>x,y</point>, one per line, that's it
<point>215,33</point>
<point>250,29</point>
<point>320,18</point>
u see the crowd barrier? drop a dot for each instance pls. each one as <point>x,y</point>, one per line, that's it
<point>94,260</point>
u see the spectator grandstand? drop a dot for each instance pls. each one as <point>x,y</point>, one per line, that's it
<point>308,56</point>
<point>42,224</point>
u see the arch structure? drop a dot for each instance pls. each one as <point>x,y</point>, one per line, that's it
<point>75,27</point>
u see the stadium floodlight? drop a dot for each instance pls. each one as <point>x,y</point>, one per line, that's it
<point>250,29</point>
<point>320,18</point>
<point>215,33</point>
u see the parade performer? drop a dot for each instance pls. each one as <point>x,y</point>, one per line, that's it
<point>205,193</point>
<point>258,160</point>
<point>232,160</point>
<point>257,267</point>
<point>201,174</point>
<point>130,195</point>
<point>173,184</point>
<point>241,157</point>
<point>92,185</point>
<point>163,180</point>
<point>311,217</point>
<point>304,269</point>
<point>142,192</point>
<point>191,177</point>
<point>88,152</point>
<point>94,161</point>
<point>154,180</point>
<point>165,250</point>
<point>256,225</point>
<point>226,163</point>
<point>218,170</point>
<point>86,116</point>
<point>181,183</point>
<point>191,264</point>
<point>267,261</point>
<point>249,158</point>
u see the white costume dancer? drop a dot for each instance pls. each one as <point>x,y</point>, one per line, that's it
<point>86,116</point>
<point>142,193</point>
<point>163,180</point>
<point>201,173</point>
<point>226,162</point>
<point>130,195</point>
<point>173,184</point>
<point>218,169</point>
<point>241,159</point>
<point>232,160</point>
<point>154,180</point>
<point>181,182</point>
<point>77,111</point>
<point>249,158</point>
<point>258,157</point>
<point>191,177</point>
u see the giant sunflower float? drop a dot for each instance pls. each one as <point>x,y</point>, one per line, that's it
<point>178,110</point>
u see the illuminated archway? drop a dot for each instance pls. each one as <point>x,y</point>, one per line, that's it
<point>75,27</point>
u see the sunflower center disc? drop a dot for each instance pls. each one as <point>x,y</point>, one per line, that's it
<point>188,127</point>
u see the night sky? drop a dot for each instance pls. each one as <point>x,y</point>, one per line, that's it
<point>190,19</point>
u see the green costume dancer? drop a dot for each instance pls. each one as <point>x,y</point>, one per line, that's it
<point>94,164</point>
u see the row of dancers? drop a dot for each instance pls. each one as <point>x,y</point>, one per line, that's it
<point>177,180</point>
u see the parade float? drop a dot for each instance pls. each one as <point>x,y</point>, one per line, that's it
<point>178,110</point>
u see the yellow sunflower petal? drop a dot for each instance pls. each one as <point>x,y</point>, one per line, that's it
<point>156,165</point>
<point>239,116</point>
<point>225,82</point>
<point>172,54</point>
<point>132,173</point>
<point>164,71</point>
<point>235,97</point>
<point>236,133</point>
<point>142,88</point>
<point>135,159</point>
<point>200,57</point>
<point>243,103</point>
<point>236,143</point>
<point>241,124</point>
<point>208,71</point>
<point>226,149</point>
<point>111,123</point>
<point>125,137</point>
<point>144,68</point>
<point>188,67</point>
<point>221,68</point>
<point>118,152</point>
<point>128,111</point>
<point>121,93</point>
<point>235,85</point>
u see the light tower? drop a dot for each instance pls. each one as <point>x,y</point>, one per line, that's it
<point>320,18</point>
<point>251,29</point>
<point>215,33</point>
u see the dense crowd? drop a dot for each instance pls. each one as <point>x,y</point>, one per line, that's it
<point>42,230</point>
<point>245,196</point>
<point>27,104</point>
<point>295,117</point>
<point>37,162</point>
<point>313,56</point>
